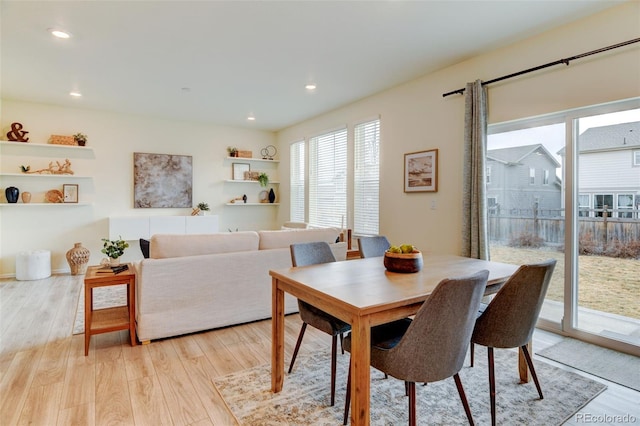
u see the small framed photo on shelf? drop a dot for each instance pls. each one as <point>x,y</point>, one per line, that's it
<point>421,171</point>
<point>70,193</point>
<point>238,170</point>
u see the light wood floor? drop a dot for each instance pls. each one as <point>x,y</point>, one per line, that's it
<point>46,379</point>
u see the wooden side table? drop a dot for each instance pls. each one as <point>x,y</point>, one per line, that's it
<point>110,319</point>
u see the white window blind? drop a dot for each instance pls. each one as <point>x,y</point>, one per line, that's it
<point>296,179</point>
<point>366,178</point>
<point>328,179</point>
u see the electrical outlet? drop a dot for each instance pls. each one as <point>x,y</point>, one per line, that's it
<point>434,205</point>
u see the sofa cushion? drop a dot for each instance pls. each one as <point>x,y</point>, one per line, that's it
<point>164,246</point>
<point>284,238</point>
<point>144,247</point>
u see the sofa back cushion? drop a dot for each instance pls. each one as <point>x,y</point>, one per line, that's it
<point>284,238</point>
<point>164,246</point>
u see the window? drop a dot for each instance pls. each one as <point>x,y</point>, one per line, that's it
<point>545,180</point>
<point>599,203</point>
<point>532,176</point>
<point>492,206</point>
<point>366,178</point>
<point>297,179</point>
<point>636,157</point>
<point>584,204</point>
<point>488,175</point>
<point>328,179</point>
<point>625,202</point>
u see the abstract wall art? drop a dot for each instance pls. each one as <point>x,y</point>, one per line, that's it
<point>162,180</point>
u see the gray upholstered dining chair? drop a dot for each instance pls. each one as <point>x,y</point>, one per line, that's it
<point>433,346</point>
<point>373,246</point>
<point>508,321</point>
<point>303,254</point>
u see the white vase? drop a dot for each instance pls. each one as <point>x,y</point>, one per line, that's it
<point>114,262</point>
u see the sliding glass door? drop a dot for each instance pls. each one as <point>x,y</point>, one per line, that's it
<point>567,186</point>
<point>608,226</point>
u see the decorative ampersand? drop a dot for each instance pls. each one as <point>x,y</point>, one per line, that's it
<point>16,134</point>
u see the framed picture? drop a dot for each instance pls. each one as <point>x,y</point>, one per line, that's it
<point>154,174</point>
<point>70,193</point>
<point>421,171</point>
<point>239,170</point>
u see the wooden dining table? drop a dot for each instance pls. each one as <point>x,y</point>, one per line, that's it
<point>363,293</point>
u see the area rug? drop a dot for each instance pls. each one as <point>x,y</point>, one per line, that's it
<point>619,368</point>
<point>103,297</point>
<point>304,399</point>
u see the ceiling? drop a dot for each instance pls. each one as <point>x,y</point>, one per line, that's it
<point>222,61</point>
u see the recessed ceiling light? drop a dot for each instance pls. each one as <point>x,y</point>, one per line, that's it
<point>310,87</point>
<point>186,89</point>
<point>75,94</point>
<point>59,33</point>
<point>251,118</point>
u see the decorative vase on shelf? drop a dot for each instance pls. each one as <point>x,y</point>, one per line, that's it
<point>78,257</point>
<point>12,194</point>
<point>26,197</point>
<point>272,196</point>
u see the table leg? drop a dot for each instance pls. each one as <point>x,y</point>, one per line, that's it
<point>523,369</point>
<point>360,371</point>
<point>88,306</point>
<point>132,310</point>
<point>277,336</point>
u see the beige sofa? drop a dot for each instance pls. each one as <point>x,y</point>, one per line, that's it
<point>198,282</point>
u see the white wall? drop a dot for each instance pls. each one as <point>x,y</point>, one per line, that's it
<point>415,116</point>
<point>114,138</point>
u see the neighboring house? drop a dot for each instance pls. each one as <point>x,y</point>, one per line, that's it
<point>519,177</point>
<point>609,170</point>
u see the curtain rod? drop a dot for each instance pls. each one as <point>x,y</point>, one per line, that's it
<point>550,64</point>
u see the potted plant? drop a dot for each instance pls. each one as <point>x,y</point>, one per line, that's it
<point>233,152</point>
<point>203,207</point>
<point>114,249</point>
<point>80,138</point>
<point>263,178</point>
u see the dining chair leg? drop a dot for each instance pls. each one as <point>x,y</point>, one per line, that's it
<point>492,386</point>
<point>463,398</point>
<point>411,386</point>
<point>472,350</point>
<point>341,340</point>
<point>347,398</point>
<point>334,353</point>
<point>527,356</point>
<point>295,351</point>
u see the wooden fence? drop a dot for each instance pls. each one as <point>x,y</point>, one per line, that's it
<point>595,224</point>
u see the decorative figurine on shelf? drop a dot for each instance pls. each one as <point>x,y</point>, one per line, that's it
<point>17,134</point>
<point>58,169</point>
<point>268,152</point>
<point>272,196</point>
<point>244,198</point>
<point>25,169</point>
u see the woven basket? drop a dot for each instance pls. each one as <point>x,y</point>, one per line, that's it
<point>62,140</point>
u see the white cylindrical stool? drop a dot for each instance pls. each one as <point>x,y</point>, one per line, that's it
<point>33,265</point>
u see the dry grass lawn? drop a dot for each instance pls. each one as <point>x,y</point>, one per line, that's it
<point>606,284</point>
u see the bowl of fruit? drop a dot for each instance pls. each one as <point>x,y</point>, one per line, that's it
<point>404,258</point>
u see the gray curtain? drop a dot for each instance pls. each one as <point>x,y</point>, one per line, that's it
<point>475,242</point>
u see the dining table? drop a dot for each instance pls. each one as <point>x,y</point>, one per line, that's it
<point>364,294</point>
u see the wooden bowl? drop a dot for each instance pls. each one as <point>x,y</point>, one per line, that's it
<point>403,262</point>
